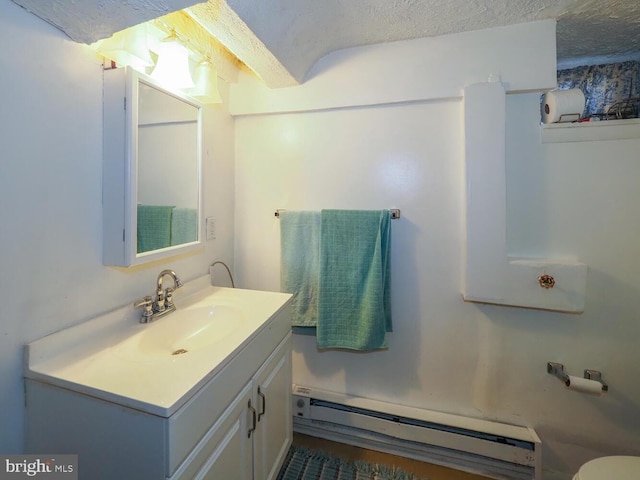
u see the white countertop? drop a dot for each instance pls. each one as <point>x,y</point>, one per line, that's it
<point>102,357</point>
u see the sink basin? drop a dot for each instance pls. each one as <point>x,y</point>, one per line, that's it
<point>181,332</point>
<point>115,358</point>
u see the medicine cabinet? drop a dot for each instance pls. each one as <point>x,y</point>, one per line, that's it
<point>152,182</point>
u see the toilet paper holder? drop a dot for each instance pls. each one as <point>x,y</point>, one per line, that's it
<point>557,369</point>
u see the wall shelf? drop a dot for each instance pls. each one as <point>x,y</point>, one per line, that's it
<point>591,131</point>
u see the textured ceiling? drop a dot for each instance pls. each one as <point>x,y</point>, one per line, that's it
<point>281,39</point>
<point>300,32</point>
<point>86,21</point>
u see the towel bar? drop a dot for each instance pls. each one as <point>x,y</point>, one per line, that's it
<point>395,213</point>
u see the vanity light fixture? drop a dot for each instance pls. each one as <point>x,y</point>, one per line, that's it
<point>172,67</point>
<point>206,83</point>
<point>127,48</point>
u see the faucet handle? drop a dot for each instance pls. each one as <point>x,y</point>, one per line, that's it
<point>146,301</point>
<point>159,304</point>
<point>168,297</point>
<point>147,304</point>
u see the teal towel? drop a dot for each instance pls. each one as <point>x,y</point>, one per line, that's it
<point>299,264</point>
<point>154,227</point>
<point>184,226</point>
<point>354,308</point>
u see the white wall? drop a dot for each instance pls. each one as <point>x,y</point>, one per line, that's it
<point>50,199</point>
<point>444,354</point>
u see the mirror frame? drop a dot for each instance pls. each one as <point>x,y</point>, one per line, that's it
<point>120,172</point>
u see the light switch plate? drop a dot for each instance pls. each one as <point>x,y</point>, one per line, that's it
<point>211,228</point>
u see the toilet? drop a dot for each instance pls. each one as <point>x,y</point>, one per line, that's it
<point>610,468</point>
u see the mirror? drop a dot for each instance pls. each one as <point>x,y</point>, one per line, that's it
<point>167,202</point>
<point>157,182</point>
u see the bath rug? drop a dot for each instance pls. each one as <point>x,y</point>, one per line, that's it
<point>306,464</point>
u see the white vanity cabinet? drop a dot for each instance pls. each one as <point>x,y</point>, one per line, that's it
<point>236,424</point>
<point>228,445</point>
<point>274,423</point>
<point>251,438</point>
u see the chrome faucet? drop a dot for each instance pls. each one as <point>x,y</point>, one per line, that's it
<point>162,304</point>
<point>164,299</point>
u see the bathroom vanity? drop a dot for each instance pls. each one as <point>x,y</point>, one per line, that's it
<point>204,392</point>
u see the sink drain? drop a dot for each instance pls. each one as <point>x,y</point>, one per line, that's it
<point>180,351</point>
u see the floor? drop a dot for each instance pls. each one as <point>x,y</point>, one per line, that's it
<point>348,452</point>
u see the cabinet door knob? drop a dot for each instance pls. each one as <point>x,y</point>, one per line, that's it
<point>264,404</point>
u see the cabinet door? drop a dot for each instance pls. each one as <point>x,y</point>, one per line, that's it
<point>272,390</point>
<point>226,451</point>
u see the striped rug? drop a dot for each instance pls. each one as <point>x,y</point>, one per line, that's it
<point>305,464</point>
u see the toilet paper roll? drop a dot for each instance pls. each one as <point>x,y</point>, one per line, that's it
<point>562,105</point>
<point>584,385</point>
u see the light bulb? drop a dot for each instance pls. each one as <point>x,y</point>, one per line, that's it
<point>127,48</point>
<point>172,67</point>
<point>206,84</point>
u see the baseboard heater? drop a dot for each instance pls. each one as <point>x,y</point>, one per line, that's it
<point>483,447</point>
